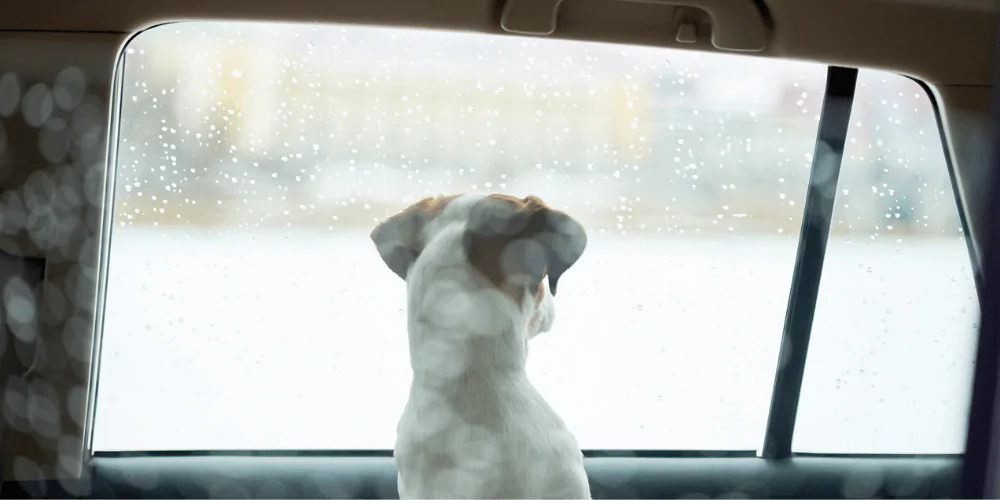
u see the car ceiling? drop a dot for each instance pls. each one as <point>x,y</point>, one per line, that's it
<point>943,42</point>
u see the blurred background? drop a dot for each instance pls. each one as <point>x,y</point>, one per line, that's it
<point>352,119</point>
<point>254,159</point>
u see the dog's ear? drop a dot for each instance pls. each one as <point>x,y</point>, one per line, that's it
<point>399,239</point>
<point>519,242</point>
<point>563,239</point>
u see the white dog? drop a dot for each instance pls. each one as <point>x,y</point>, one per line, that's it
<point>474,426</point>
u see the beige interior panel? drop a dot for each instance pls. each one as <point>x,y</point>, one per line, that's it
<point>51,205</point>
<point>964,112</point>
<point>938,45</point>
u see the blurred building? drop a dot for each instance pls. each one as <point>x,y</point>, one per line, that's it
<point>320,120</point>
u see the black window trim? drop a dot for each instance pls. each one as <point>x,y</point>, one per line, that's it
<point>800,308</point>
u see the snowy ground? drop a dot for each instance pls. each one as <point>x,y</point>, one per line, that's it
<point>297,340</point>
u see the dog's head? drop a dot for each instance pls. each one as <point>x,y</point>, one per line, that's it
<point>513,243</point>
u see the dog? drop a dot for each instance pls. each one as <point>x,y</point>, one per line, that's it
<point>473,425</point>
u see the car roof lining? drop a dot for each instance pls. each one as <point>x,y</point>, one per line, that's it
<point>942,42</point>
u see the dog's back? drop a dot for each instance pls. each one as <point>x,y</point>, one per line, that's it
<point>474,426</point>
<point>497,439</point>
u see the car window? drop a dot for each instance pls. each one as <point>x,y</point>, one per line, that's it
<point>889,368</point>
<point>246,307</point>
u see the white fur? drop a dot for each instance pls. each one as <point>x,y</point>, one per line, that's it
<point>474,426</point>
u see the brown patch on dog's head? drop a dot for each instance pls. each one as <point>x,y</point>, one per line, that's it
<point>399,238</point>
<point>540,293</point>
<point>515,243</point>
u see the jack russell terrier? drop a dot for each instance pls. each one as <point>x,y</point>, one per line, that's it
<point>474,426</point>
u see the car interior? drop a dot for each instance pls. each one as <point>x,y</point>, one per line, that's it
<point>58,199</point>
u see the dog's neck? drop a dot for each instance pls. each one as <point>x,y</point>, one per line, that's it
<point>460,327</point>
